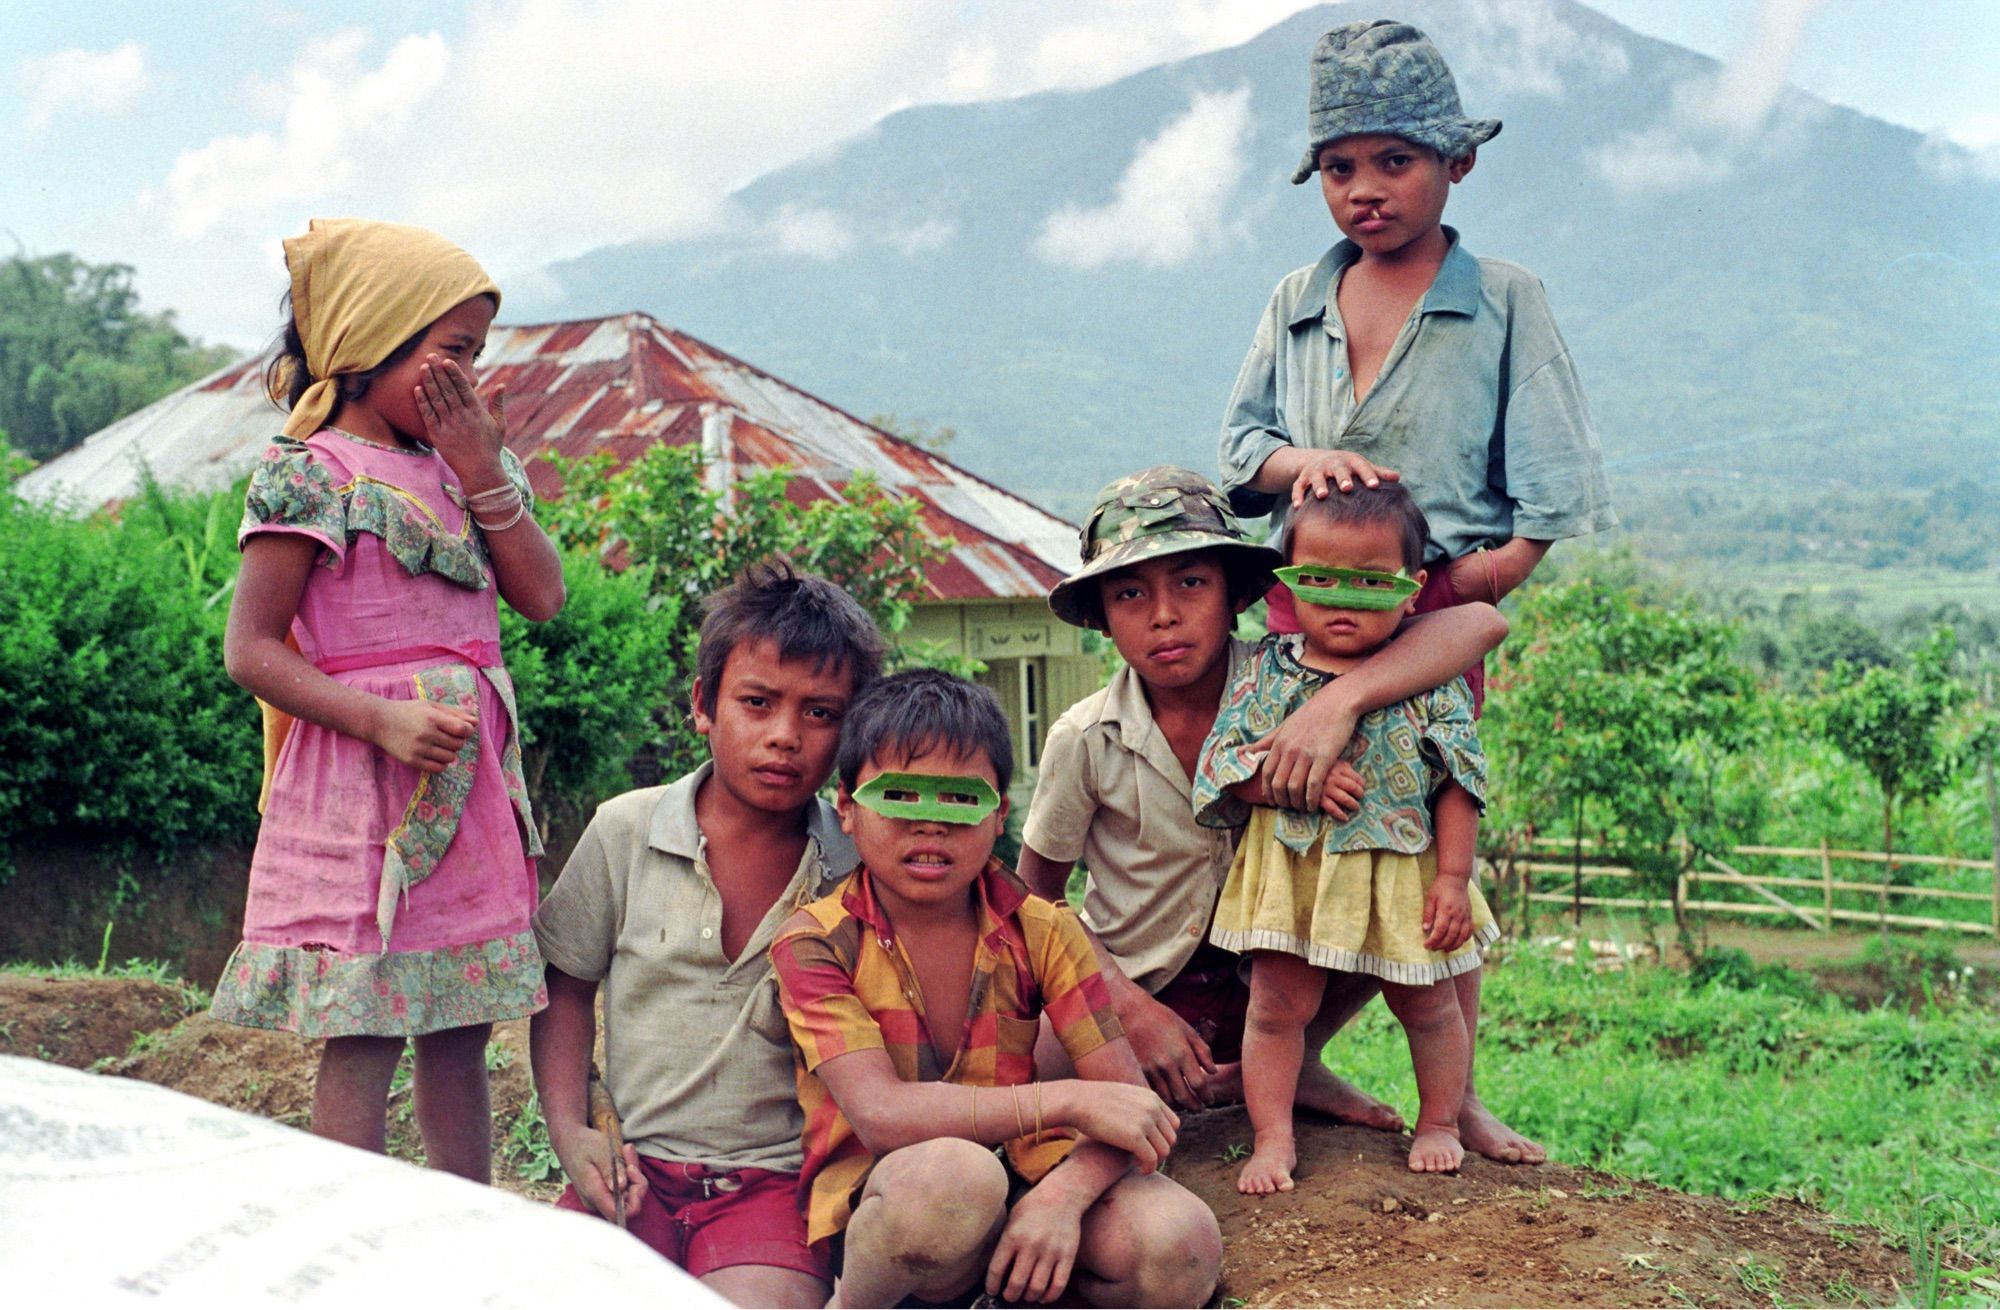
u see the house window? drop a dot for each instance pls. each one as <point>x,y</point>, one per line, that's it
<point>1034,709</point>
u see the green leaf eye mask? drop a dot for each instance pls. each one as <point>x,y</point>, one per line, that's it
<point>938,797</point>
<point>1347,589</point>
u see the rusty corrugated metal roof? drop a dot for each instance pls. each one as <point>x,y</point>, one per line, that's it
<point>614,385</point>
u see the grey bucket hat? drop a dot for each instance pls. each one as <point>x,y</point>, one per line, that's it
<point>1384,78</point>
<point>1160,511</point>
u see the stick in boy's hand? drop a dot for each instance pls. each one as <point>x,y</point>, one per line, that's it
<point>604,1118</point>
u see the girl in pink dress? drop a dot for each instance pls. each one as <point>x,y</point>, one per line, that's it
<point>394,875</point>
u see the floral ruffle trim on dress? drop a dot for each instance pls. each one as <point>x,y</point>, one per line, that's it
<point>325,993</point>
<point>291,488</point>
<point>413,851</point>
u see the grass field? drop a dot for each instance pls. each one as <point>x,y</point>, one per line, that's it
<point>1753,1083</point>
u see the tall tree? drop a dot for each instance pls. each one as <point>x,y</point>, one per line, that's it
<point>1891,721</point>
<point>1615,712</point>
<point>77,353</point>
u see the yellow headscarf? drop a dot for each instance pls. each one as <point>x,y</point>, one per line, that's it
<point>359,290</point>
<point>362,288</point>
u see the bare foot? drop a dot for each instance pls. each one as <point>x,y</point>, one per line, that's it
<point>1269,1169</point>
<point>1482,1132</point>
<point>1320,1090</point>
<point>1435,1151</point>
<point>1225,1085</point>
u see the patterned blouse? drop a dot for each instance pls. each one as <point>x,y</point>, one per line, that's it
<point>1404,753</point>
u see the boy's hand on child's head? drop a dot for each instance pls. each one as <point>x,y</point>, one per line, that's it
<point>1134,1119</point>
<point>1176,1061</point>
<point>423,734</point>
<point>1326,471</point>
<point>585,1155</point>
<point>1037,1249</point>
<point>465,430</point>
<point>1447,914</point>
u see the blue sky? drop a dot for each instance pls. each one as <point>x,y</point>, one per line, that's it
<point>186,140</point>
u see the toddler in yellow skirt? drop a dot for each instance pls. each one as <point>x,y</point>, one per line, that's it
<point>1387,892</point>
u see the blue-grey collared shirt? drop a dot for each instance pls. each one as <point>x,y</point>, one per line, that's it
<point>1477,405</point>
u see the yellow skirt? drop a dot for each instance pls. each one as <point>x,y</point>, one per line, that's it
<point>1357,911</point>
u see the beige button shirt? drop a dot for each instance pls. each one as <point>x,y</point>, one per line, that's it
<point>1111,793</point>
<point>697,1054</point>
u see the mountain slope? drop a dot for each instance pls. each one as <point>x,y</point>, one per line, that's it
<point>1779,305</point>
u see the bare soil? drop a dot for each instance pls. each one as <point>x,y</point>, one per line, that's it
<point>1363,1230</point>
<point>1360,1230</point>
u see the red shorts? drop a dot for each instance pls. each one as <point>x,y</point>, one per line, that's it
<point>1438,594</point>
<point>1212,997</point>
<point>704,1219</point>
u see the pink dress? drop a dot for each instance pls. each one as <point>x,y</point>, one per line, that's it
<point>384,901</point>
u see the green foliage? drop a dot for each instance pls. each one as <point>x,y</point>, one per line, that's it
<point>526,1150</point>
<point>77,354</point>
<point>661,520</point>
<point>588,682</point>
<point>12,464</point>
<point>1891,721</point>
<point>1615,713</point>
<point>1718,1088</point>
<point>119,718</point>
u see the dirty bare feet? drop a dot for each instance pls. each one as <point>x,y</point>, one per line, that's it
<point>1481,1131</point>
<point>1322,1091</point>
<point>1436,1150</point>
<point>1269,1168</point>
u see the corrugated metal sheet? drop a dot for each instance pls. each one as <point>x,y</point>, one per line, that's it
<point>613,385</point>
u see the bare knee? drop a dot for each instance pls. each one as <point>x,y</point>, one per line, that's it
<point>1284,994</point>
<point>455,1045</point>
<point>936,1203</point>
<point>1153,1242</point>
<point>1423,1008</point>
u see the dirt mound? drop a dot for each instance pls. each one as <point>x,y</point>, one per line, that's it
<point>1360,1230</point>
<point>79,1021</point>
<point>1363,1230</point>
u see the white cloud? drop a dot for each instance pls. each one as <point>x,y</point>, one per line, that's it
<point>1525,46</point>
<point>814,233</point>
<point>102,81</point>
<point>1714,124</point>
<point>546,128</point>
<point>916,238</point>
<point>1171,199</point>
<point>338,120</point>
<point>1968,150</point>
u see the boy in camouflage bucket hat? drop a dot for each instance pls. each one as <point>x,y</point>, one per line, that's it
<point>1160,511</point>
<point>1166,569</point>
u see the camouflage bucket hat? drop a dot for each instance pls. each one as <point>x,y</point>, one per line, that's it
<point>1162,511</point>
<point>1384,78</point>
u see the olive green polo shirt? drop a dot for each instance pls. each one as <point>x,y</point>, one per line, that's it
<point>697,1054</point>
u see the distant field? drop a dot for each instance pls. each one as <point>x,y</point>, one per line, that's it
<point>1875,592</point>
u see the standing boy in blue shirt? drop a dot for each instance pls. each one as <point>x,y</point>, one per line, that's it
<point>1401,356</point>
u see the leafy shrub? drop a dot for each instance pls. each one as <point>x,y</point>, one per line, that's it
<point>115,713</point>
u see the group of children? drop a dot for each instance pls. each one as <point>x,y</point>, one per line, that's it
<point>852,1054</point>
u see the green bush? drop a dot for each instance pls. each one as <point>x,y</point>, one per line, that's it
<point>589,681</point>
<point>118,718</point>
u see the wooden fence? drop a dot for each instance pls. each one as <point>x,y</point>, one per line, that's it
<point>1777,895</point>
